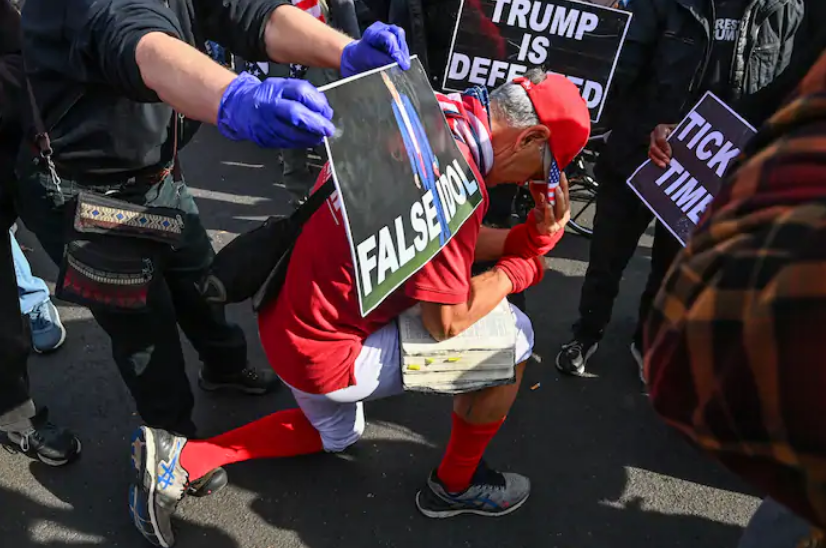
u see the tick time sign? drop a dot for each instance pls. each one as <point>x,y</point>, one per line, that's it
<point>703,147</point>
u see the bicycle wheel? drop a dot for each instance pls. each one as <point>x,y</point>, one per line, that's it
<point>582,191</point>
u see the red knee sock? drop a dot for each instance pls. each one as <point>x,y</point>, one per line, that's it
<point>282,434</point>
<point>464,451</point>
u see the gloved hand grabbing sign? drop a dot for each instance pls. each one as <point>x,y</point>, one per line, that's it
<point>275,113</point>
<point>379,46</point>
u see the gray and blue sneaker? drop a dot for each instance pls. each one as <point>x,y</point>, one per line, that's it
<point>491,494</point>
<point>48,333</point>
<point>160,483</point>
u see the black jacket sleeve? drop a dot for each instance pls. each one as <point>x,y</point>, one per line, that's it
<point>637,51</point>
<point>106,34</point>
<point>238,25</point>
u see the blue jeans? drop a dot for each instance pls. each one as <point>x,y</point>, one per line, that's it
<point>32,290</point>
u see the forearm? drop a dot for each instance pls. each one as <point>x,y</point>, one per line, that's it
<point>490,245</point>
<point>184,78</point>
<point>447,321</point>
<point>290,30</point>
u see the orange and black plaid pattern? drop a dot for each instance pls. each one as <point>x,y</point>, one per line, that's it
<point>736,343</point>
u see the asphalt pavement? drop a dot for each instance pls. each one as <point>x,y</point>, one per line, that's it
<point>606,473</point>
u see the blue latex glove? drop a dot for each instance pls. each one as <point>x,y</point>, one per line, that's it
<point>275,113</point>
<point>380,45</point>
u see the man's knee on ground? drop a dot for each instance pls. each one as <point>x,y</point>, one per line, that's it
<point>338,437</point>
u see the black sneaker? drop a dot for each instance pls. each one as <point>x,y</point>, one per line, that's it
<point>211,483</point>
<point>160,483</point>
<point>249,380</point>
<point>45,441</point>
<point>574,356</point>
<point>490,494</point>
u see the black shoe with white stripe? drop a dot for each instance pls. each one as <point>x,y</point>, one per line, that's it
<point>45,441</point>
<point>574,355</point>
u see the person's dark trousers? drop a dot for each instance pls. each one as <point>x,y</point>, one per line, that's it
<point>620,220</point>
<point>663,252</point>
<point>343,17</point>
<point>146,345</point>
<point>16,407</point>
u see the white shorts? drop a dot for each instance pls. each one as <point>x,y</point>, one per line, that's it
<point>339,416</point>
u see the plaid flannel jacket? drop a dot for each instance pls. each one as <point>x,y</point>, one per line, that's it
<point>736,343</point>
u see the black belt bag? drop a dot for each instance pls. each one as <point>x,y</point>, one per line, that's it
<point>115,251</point>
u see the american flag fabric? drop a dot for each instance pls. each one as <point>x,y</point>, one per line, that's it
<point>469,120</point>
<point>314,8</point>
<point>736,342</point>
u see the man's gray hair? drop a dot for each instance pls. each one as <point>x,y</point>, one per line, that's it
<point>511,104</point>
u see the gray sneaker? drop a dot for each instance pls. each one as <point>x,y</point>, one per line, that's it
<point>491,493</point>
<point>48,333</point>
<point>160,483</point>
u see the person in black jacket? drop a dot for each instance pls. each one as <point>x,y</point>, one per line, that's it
<point>675,51</point>
<point>24,424</point>
<point>121,86</point>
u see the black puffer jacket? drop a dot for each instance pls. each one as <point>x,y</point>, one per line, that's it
<point>660,72</point>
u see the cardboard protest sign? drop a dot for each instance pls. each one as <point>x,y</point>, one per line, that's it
<point>406,189</point>
<point>703,146</point>
<point>497,40</point>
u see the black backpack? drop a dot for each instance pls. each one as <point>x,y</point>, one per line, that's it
<point>254,264</point>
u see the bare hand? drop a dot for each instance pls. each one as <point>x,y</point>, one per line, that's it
<point>550,220</point>
<point>660,151</point>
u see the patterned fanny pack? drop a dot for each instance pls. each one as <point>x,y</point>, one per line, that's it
<point>115,251</point>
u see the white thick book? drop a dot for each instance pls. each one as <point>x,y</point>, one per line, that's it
<point>482,356</point>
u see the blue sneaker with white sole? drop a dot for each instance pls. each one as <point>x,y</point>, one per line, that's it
<point>48,333</point>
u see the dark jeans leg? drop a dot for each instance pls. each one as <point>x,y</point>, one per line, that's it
<point>146,346</point>
<point>16,408</point>
<point>663,252</point>
<point>619,222</point>
<point>221,345</point>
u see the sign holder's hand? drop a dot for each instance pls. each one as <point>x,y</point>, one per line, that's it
<point>659,151</point>
<point>275,113</point>
<point>380,45</point>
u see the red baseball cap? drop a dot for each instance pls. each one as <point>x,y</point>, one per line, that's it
<point>561,108</point>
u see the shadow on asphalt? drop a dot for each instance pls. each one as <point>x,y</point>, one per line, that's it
<point>79,523</point>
